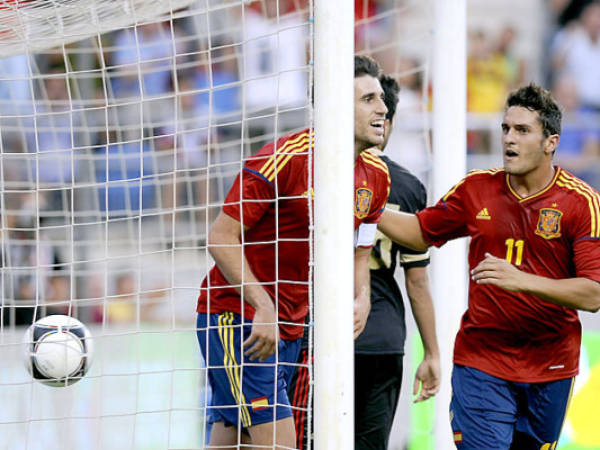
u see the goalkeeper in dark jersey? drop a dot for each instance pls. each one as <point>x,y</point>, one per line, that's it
<point>379,349</point>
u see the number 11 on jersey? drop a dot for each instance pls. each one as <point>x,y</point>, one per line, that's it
<point>511,244</point>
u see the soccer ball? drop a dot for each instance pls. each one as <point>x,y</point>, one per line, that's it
<point>58,350</point>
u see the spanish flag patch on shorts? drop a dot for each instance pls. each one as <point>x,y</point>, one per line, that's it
<point>259,403</point>
<point>458,437</point>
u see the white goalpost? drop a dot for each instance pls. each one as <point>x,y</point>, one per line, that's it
<point>334,222</point>
<point>449,264</point>
<point>123,124</point>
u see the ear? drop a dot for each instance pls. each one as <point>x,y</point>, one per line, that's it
<point>550,144</point>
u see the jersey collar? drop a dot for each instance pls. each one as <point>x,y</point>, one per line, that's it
<point>537,194</point>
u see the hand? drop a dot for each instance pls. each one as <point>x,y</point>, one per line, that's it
<point>362,308</point>
<point>499,272</point>
<point>264,337</point>
<point>428,377</point>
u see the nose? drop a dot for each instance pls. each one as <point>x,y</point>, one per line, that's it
<point>381,108</point>
<point>508,136</point>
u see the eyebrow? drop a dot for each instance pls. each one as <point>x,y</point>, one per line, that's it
<point>517,125</point>
<point>373,94</point>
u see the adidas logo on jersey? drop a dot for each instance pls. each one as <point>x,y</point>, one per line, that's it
<point>483,215</point>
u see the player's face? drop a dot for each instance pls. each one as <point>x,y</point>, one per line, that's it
<point>523,142</point>
<point>369,113</point>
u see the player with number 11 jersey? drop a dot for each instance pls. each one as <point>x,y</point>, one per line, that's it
<point>555,234</point>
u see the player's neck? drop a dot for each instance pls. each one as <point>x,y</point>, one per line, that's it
<point>532,182</point>
<point>358,148</point>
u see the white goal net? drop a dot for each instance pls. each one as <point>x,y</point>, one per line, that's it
<point>123,125</point>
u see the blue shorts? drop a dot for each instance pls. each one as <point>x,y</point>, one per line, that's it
<point>487,412</point>
<point>250,393</point>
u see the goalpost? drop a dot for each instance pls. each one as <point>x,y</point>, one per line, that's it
<point>122,126</point>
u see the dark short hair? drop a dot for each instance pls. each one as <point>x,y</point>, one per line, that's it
<point>391,88</point>
<point>536,98</point>
<point>365,65</point>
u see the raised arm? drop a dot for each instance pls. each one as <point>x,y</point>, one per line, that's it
<point>427,375</point>
<point>225,247</point>
<point>403,228</point>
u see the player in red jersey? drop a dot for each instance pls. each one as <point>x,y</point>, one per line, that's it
<point>251,299</point>
<point>534,260</point>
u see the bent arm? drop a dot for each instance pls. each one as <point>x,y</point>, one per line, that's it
<point>579,293</point>
<point>403,228</point>
<point>225,247</point>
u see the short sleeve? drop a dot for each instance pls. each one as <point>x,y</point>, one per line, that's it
<point>380,198</point>
<point>249,197</point>
<point>447,219</point>
<point>586,247</point>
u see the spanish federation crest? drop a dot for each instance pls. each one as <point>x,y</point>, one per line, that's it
<point>548,225</point>
<point>363,202</point>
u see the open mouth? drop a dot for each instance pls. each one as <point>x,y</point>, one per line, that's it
<point>510,154</point>
<point>378,124</point>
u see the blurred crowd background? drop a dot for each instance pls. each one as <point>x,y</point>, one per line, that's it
<point>122,146</point>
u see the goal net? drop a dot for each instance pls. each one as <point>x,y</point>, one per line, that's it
<point>123,125</point>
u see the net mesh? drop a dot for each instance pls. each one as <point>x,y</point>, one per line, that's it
<point>122,127</point>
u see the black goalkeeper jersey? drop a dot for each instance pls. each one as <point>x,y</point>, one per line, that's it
<point>385,331</point>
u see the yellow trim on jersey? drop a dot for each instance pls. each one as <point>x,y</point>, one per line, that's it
<point>282,155</point>
<point>591,191</point>
<point>374,160</point>
<point>301,149</point>
<point>232,368</point>
<point>537,194</point>
<point>453,189</point>
<point>470,174</point>
<point>586,187</point>
<point>478,171</point>
<point>569,400</point>
<point>278,151</point>
<point>275,162</point>
<point>592,197</point>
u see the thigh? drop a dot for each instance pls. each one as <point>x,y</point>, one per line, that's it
<point>219,338</point>
<point>227,437</point>
<point>483,410</point>
<point>244,392</point>
<point>264,384</point>
<point>378,380</point>
<point>541,417</point>
<point>283,430</point>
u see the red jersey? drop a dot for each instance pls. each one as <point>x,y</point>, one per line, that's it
<point>270,197</point>
<point>554,233</point>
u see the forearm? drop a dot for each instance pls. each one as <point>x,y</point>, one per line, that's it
<point>362,277</point>
<point>403,228</point>
<point>225,248</point>
<point>362,289</point>
<point>236,270</point>
<point>421,303</point>
<point>578,293</point>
